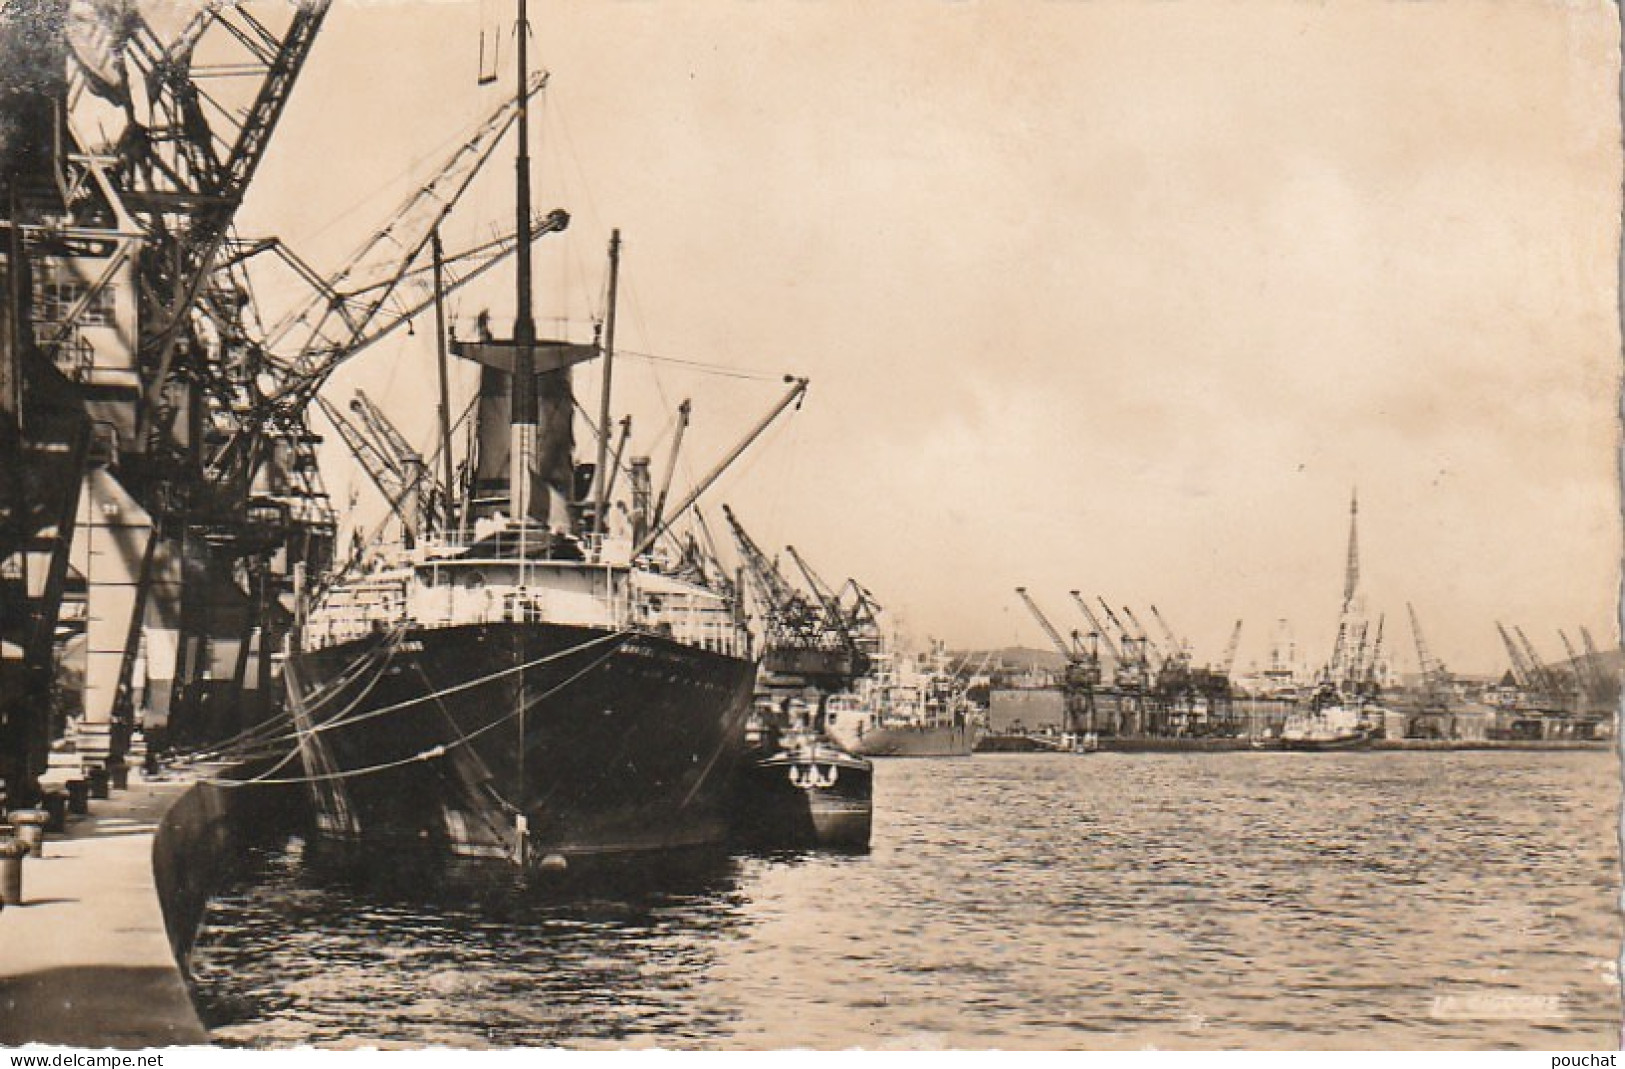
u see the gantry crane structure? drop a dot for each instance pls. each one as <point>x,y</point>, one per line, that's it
<point>1187,699</point>
<point>134,351</point>
<point>1433,717</point>
<point>802,645</point>
<point>1122,704</point>
<point>129,137</point>
<point>1081,674</point>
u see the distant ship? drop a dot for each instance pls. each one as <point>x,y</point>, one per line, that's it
<point>916,708</point>
<point>1343,711</point>
<point>527,683</point>
<point>1332,721</point>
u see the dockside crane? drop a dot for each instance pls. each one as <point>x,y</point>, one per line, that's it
<point>800,645</point>
<point>1081,674</point>
<point>1603,695</point>
<point>1228,659</point>
<point>156,135</point>
<point>414,496</point>
<point>1548,681</point>
<point>1579,669</point>
<point>834,617</point>
<point>1435,677</point>
<point>1097,630</point>
<point>1143,637</point>
<point>1178,649</point>
<point>1135,658</point>
<point>1369,669</point>
<point>1522,674</point>
<point>1071,651</point>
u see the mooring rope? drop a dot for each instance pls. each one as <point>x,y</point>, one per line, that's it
<point>251,741</point>
<point>441,749</point>
<point>384,710</point>
<point>381,656</point>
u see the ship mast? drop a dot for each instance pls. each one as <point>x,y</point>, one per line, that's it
<point>522,422</point>
<point>601,473</point>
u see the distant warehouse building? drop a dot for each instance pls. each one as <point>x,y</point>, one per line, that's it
<point>1013,711</point>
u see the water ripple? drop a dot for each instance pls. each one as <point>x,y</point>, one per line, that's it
<point>1222,901</point>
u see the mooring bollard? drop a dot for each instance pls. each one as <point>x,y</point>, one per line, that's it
<point>56,811</point>
<point>78,797</point>
<point>11,871</point>
<point>97,777</point>
<point>30,825</point>
<point>119,773</point>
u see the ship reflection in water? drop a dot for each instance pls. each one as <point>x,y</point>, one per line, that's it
<point>1405,900</point>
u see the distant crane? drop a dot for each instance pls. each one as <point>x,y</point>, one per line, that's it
<point>1133,648</point>
<point>1070,651</point>
<point>1601,696</point>
<point>1546,679</point>
<point>1082,670</point>
<point>1096,629</point>
<point>834,617</point>
<point>1435,677</point>
<point>1522,674</point>
<point>1228,659</point>
<point>801,642</point>
<point>1143,635</point>
<point>1178,650</point>
<point>1577,668</point>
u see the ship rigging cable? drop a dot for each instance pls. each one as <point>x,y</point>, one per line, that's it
<point>328,725</point>
<point>244,743</point>
<point>441,749</point>
<point>388,654</point>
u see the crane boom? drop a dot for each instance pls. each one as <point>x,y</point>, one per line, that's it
<point>1094,625</point>
<point>1060,644</point>
<point>683,411</point>
<point>336,319</point>
<point>1368,671</point>
<point>1544,677</point>
<point>1577,667</point>
<point>1424,660</point>
<point>1599,682</point>
<point>1521,672</point>
<point>798,389</point>
<point>773,590</point>
<point>1175,646</point>
<point>1229,658</point>
<point>834,618</point>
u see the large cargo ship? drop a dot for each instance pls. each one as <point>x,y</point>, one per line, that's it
<point>533,681</point>
<point>501,705</point>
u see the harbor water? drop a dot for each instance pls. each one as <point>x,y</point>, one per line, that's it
<point>1257,900</point>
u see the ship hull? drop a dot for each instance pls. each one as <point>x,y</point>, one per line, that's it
<point>540,742</point>
<point>925,740</point>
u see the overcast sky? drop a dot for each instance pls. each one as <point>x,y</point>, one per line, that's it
<point>1122,296</point>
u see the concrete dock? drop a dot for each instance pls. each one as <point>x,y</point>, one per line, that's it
<point>85,960</point>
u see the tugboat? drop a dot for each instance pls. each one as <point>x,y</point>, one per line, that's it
<point>801,791</point>
<point>528,684</point>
